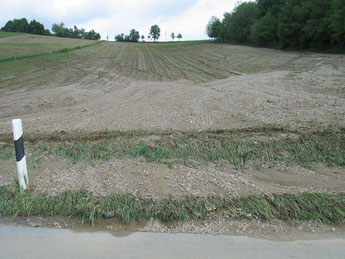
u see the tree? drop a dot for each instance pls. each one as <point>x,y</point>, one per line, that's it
<point>304,24</point>
<point>315,31</point>
<point>82,33</point>
<point>237,25</point>
<point>214,28</point>
<point>269,6</point>
<point>336,21</point>
<point>36,28</point>
<point>17,25</point>
<point>74,32</point>
<point>264,31</point>
<point>155,32</point>
<point>172,36</point>
<point>22,25</point>
<point>179,36</point>
<point>134,35</point>
<point>8,27</point>
<point>142,38</point>
<point>47,32</point>
<point>60,30</point>
<point>120,37</point>
<point>292,18</point>
<point>92,35</point>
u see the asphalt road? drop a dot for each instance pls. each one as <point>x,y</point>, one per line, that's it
<point>29,242</point>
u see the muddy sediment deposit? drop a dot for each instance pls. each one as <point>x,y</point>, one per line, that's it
<point>109,90</point>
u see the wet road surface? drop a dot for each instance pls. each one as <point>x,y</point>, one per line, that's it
<point>29,242</point>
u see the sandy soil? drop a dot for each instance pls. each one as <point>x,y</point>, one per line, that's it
<point>311,99</point>
<point>151,180</point>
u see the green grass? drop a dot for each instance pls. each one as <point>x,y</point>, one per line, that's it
<point>324,146</point>
<point>323,207</point>
<point>305,150</point>
<point>6,152</point>
<point>4,34</point>
<point>59,51</point>
<point>31,44</point>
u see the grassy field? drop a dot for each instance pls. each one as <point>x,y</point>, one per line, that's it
<point>20,44</point>
<point>4,34</point>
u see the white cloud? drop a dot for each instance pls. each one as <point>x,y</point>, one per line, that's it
<point>188,17</point>
<point>191,24</point>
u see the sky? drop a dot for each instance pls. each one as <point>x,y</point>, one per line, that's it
<point>112,17</point>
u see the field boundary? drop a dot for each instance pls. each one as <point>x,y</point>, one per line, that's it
<point>82,136</point>
<point>59,51</point>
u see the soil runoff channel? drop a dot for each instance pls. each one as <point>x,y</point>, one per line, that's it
<point>62,243</point>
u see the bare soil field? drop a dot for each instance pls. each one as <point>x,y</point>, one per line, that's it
<point>102,87</point>
<point>192,86</point>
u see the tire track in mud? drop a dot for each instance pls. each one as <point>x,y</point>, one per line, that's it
<point>164,66</point>
<point>177,71</point>
<point>63,136</point>
<point>150,62</point>
<point>158,63</point>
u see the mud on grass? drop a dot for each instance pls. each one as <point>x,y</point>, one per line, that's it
<point>325,147</point>
<point>323,207</point>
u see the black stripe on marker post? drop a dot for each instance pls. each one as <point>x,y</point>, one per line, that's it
<point>19,147</point>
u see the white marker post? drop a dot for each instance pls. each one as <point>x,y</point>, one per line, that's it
<point>20,155</point>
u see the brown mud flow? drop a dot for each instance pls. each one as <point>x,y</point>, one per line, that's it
<point>225,163</point>
<point>273,230</point>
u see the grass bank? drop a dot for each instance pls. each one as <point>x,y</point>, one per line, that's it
<point>323,207</point>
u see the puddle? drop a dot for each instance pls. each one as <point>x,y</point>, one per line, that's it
<point>112,226</point>
<point>163,171</point>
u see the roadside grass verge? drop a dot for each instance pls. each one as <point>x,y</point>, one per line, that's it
<point>320,147</point>
<point>323,207</point>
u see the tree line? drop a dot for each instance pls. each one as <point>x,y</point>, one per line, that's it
<point>134,36</point>
<point>302,24</point>
<point>22,25</point>
<point>59,30</point>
